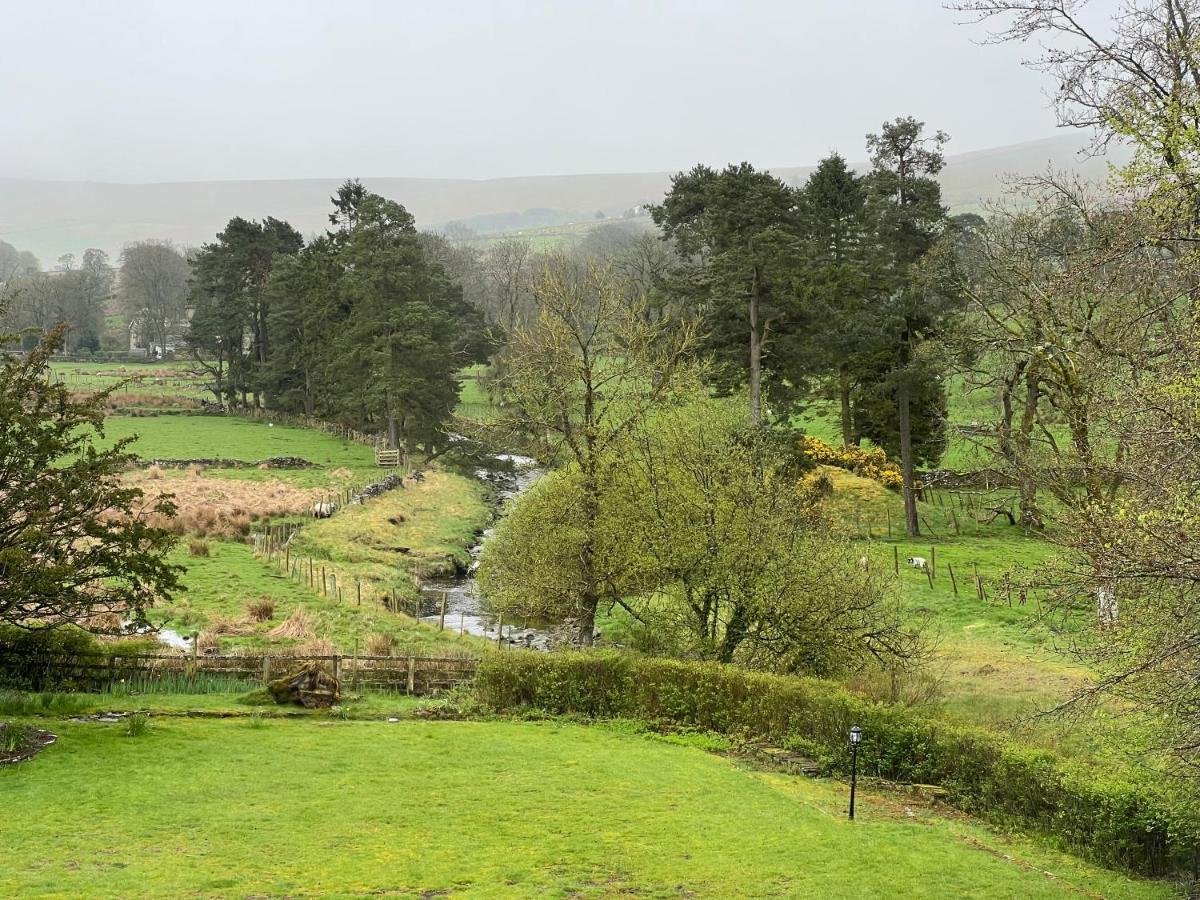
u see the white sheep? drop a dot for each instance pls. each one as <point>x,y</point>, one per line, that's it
<point>917,562</point>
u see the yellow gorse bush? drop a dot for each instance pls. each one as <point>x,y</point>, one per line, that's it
<point>872,463</point>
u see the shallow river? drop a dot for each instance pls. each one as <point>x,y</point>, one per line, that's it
<point>466,611</point>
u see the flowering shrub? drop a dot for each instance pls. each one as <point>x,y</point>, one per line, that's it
<point>872,463</point>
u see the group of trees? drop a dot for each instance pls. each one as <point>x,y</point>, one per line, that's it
<point>1085,320</point>
<point>361,325</point>
<point>841,280</point>
<point>149,290</point>
<point>676,508</point>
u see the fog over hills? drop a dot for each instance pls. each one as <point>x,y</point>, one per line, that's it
<point>51,218</point>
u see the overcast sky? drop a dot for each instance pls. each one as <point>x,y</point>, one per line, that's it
<point>175,90</point>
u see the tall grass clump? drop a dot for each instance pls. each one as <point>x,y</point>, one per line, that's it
<point>17,703</point>
<point>13,737</point>
<point>137,724</point>
<point>261,610</point>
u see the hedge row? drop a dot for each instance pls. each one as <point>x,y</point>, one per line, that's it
<point>31,658</point>
<point>1112,820</point>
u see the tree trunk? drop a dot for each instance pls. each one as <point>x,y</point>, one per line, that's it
<point>755,355</point>
<point>735,633</point>
<point>848,437</point>
<point>589,598</point>
<point>1031,516</point>
<point>906,458</point>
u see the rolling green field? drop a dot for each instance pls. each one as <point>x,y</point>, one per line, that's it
<point>229,808</point>
<point>227,437</point>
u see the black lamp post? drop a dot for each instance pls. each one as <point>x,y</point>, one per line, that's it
<point>855,738</point>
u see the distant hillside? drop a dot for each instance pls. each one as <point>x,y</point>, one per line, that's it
<point>51,218</point>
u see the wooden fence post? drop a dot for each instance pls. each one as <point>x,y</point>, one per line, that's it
<point>355,682</point>
<point>953,582</point>
<point>412,673</point>
<point>500,633</point>
<point>266,669</point>
<point>896,557</point>
<point>932,563</point>
<point>442,617</point>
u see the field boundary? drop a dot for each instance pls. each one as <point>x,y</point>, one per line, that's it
<point>418,675</point>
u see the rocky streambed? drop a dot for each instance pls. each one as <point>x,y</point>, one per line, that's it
<point>466,611</point>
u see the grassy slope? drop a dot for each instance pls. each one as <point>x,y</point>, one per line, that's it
<point>221,585</point>
<point>422,529</point>
<point>440,517</point>
<point>475,809</point>
<point>821,418</point>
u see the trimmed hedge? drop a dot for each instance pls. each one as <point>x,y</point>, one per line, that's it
<point>1110,819</point>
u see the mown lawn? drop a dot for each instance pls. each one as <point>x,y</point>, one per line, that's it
<point>496,809</point>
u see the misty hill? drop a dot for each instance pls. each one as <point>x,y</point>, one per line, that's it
<point>51,218</point>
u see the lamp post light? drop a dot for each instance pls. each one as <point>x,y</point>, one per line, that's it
<point>855,738</point>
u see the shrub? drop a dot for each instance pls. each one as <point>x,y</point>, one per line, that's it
<point>872,463</point>
<point>1113,820</point>
<point>260,610</point>
<point>28,657</point>
<point>199,548</point>
<point>380,645</point>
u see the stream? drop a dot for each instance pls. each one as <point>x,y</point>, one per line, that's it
<point>466,611</point>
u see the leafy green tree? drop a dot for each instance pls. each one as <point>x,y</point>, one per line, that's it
<point>737,228</point>
<point>736,559</point>
<point>578,381</point>
<point>75,542</point>
<point>229,333</point>
<point>407,331</point>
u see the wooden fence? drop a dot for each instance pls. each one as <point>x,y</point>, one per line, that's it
<point>417,675</point>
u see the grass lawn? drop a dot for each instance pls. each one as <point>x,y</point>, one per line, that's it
<point>243,808</point>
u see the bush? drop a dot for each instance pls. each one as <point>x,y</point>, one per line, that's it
<point>27,656</point>
<point>1112,820</point>
<point>199,548</point>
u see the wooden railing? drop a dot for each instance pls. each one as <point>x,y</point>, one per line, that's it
<point>410,674</point>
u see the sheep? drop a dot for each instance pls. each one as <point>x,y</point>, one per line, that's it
<point>917,562</point>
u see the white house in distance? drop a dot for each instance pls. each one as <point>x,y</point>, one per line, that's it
<point>141,345</point>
